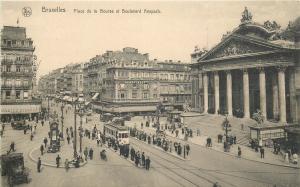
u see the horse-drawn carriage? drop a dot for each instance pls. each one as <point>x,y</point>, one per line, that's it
<point>12,165</point>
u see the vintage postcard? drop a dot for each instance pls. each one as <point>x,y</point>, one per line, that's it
<point>150,93</point>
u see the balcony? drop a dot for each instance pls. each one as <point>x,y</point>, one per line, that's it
<point>18,74</point>
<point>17,62</point>
<point>7,61</point>
<point>17,47</point>
<point>21,102</point>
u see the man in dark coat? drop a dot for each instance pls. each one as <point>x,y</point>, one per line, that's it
<point>137,160</point>
<point>91,153</point>
<point>42,149</point>
<point>187,149</point>
<point>143,159</point>
<point>57,161</point>
<point>45,141</point>
<point>132,154</point>
<point>68,139</point>
<point>179,149</point>
<point>262,152</point>
<point>147,163</point>
<point>39,164</point>
<point>12,147</point>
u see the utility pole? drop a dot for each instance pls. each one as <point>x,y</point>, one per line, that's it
<point>75,133</point>
<point>80,133</point>
<point>62,121</point>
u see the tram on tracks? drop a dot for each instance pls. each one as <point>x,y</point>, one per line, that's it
<point>116,132</point>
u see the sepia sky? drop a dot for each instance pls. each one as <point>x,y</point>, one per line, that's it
<point>63,38</point>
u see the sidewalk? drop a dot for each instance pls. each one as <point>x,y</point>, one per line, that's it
<point>209,128</point>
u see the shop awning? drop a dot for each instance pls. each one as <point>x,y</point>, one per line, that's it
<point>95,96</point>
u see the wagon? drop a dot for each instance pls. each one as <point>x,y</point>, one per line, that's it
<point>19,125</point>
<point>12,165</point>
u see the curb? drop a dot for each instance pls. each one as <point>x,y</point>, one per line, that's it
<point>128,160</point>
<point>50,165</point>
<point>193,115</point>
<point>163,151</point>
<point>229,154</point>
<point>282,165</point>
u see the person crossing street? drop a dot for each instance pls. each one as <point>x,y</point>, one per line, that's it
<point>147,162</point>
<point>45,141</point>
<point>42,149</point>
<point>39,164</point>
<point>57,161</point>
<point>262,152</point>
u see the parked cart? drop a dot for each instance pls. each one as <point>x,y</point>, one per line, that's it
<point>12,165</point>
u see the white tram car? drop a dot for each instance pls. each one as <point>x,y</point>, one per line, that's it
<point>117,132</point>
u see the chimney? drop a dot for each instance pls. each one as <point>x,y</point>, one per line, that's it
<point>109,53</point>
<point>146,55</point>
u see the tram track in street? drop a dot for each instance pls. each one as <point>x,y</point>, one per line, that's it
<point>219,172</point>
<point>208,178</point>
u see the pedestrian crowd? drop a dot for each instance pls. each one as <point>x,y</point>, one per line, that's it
<point>159,139</point>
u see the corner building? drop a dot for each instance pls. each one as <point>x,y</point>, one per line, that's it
<point>17,75</point>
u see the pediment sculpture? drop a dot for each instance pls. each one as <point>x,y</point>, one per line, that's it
<point>246,16</point>
<point>271,26</point>
<point>236,48</point>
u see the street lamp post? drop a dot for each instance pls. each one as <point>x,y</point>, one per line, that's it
<point>80,133</point>
<point>75,131</point>
<point>62,121</point>
<point>48,108</point>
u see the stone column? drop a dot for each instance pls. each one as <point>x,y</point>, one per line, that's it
<point>229,92</point>
<point>282,101</point>
<point>217,92</point>
<point>246,93</point>
<point>205,88</point>
<point>262,92</point>
<point>275,96</point>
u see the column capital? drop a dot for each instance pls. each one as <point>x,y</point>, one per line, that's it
<point>281,68</point>
<point>260,69</point>
<point>216,72</point>
<point>228,71</point>
<point>245,70</point>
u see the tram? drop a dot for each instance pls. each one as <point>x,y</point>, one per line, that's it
<point>116,132</point>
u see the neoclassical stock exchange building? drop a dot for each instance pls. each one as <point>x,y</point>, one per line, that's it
<point>254,67</point>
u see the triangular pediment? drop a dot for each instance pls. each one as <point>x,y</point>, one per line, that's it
<point>236,45</point>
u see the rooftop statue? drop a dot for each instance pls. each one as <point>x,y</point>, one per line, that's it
<point>271,26</point>
<point>246,16</point>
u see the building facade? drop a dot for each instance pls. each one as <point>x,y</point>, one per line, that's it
<point>255,67</point>
<point>175,84</point>
<point>68,79</point>
<point>132,83</point>
<point>18,70</point>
